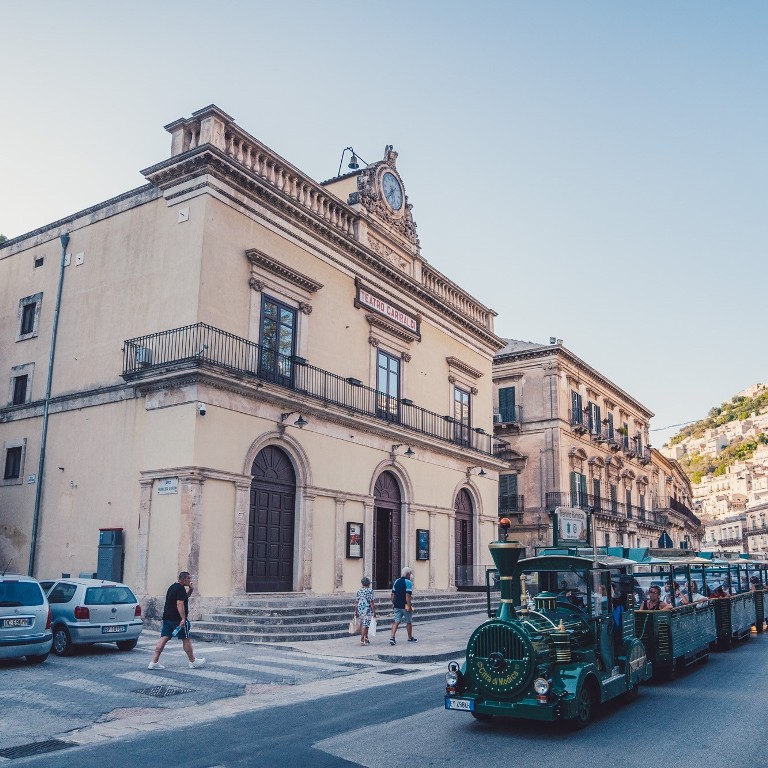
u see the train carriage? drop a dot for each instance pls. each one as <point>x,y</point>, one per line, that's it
<point>561,642</point>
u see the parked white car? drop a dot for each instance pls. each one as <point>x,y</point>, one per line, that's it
<point>25,619</point>
<point>87,611</point>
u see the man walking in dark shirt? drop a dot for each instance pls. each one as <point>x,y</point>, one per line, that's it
<point>402,590</point>
<point>175,622</point>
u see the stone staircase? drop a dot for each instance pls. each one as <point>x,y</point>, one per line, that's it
<point>290,616</point>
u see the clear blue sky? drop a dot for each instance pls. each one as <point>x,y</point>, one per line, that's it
<point>594,171</point>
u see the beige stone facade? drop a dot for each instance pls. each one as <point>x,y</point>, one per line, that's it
<point>257,377</point>
<point>575,439</point>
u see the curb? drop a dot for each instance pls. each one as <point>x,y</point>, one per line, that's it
<point>424,659</point>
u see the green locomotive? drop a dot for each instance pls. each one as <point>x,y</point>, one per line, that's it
<point>569,646</point>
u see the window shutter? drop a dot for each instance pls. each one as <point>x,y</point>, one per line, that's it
<point>507,404</point>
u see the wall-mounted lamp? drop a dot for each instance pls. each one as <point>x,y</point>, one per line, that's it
<point>481,473</point>
<point>353,161</point>
<point>300,422</point>
<point>408,452</point>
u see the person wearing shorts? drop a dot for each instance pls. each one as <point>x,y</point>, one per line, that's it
<point>176,622</point>
<point>402,590</point>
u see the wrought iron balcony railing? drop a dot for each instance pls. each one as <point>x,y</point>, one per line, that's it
<point>511,505</point>
<point>605,507</point>
<point>511,414</point>
<point>205,347</point>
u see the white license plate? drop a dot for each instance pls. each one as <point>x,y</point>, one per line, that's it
<point>465,705</point>
<point>25,622</point>
<point>114,629</point>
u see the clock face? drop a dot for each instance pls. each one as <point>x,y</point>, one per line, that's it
<point>393,192</point>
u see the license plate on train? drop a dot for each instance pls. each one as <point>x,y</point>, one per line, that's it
<point>21,622</point>
<point>464,705</point>
<point>114,629</point>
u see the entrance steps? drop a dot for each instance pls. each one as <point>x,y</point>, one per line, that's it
<point>291,616</point>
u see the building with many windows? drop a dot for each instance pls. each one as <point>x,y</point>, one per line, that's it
<point>575,439</point>
<point>257,378</point>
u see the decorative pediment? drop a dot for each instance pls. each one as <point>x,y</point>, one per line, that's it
<point>376,321</point>
<point>459,365</point>
<point>275,267</point>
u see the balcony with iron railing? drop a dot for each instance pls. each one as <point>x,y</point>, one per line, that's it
<point>606,507</point>
<point>757,530</point>
<point>511,505</point>
<point>579,421</point>
<point>510,414</point>
<point>678,507</point>
<point>203,347</point>
<point>731,542</point>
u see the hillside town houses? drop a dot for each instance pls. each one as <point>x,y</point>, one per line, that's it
<point>241,372</point>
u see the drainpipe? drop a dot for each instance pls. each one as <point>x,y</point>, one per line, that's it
<point>43,439</point>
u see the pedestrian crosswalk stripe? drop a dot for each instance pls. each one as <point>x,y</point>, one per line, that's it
<point>88,686</point>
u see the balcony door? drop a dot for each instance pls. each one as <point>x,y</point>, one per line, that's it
<point>463,538</point>
<point>271,523</point>
<point>386,531</point>
<point>387,386</point>
<point>278,339</point>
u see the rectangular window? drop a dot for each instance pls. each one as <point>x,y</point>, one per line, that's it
<point>277,337</point>
<point>577,415</point>
<point>508,499</point>
<point>596,495</point>
<point>607,539</point>
<point>614,500</point>
<point>20,390</point>
<point>610,426</point>
<point>507,405</point>
<point>642,502</point>
<point>625,436</point>
<point>387,386</point>
<point>27,319</point>
<point>13,463</point>
<point>578,489</point>
<point>628,499</point>
<point>594,418</point>
<point>461,415</point>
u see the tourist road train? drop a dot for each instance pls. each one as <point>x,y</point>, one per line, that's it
<point>570,632</point>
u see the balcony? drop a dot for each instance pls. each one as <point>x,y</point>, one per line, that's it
<point>579,422</point>
<point>511,505</point>
<point>757,530</point>
<point>508,416</point>
<point>205,348</point>
<point>732,542</point>
<point>606,508</point>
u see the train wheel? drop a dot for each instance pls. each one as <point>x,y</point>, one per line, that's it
<point>482,718</point>
<point>585,707</point>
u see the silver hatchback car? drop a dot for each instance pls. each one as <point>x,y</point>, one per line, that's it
<point>87,611</point>
<point>25,619</point>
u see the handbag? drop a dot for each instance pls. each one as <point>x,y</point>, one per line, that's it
<point>354,626</point>
<point>372,627</point>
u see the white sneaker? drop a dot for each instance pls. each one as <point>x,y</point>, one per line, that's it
<point>155,665</point>
<point>196,664</point>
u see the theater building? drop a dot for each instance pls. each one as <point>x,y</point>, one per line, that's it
<point>256,377</point>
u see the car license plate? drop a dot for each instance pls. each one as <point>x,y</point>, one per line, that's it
<point>465,705</point>
<point>113,629</point>
<point>21,622</point>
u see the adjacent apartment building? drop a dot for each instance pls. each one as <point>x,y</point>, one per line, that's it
<point>256,377</point>
<point>575,439</point>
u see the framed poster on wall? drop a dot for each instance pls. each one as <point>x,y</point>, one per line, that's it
<point>422,544</point>
<point>354,539</point>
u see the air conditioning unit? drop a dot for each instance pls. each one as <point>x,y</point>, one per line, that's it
<point>497,418</point>
<point>143,357</point>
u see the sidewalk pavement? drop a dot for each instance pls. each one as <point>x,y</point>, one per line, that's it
<point>439,640</point>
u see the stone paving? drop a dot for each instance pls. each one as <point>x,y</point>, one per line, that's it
<point>93,696</point>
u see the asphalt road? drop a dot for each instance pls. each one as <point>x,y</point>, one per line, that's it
<point>712,715</point>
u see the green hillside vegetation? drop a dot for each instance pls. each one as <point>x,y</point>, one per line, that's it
<point>697,465</point>
<point>738,409</point>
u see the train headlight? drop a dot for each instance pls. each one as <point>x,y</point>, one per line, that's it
<point>541,686</point>
<point>451,679</point>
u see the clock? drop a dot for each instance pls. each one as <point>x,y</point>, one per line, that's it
<point>393,192</point>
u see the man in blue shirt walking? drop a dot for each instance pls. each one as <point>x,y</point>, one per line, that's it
<point>402,591</point>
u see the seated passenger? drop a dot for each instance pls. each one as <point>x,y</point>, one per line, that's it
<point>680,598</point>
<point>754,583</point>
<point>717,591</point>
<point>694,596</point>
<point>654,602</point>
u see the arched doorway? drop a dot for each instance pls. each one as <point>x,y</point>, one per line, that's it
<point>271,523</point>
<point>463,538</point>
<point>386,531</point>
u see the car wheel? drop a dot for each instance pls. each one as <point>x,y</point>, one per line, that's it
<point>62,642</point>
<point>585,707</point>
<point>37,659</point>
<point>126,645</point>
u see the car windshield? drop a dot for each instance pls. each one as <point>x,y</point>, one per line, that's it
<point>15,593</point>
<point>108,595</point>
